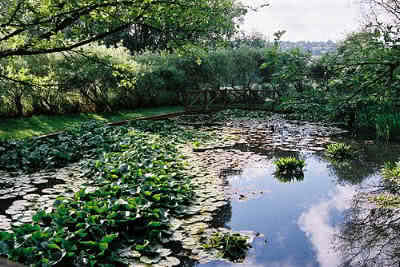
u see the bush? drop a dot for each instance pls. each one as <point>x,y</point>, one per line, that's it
<point>340,152</point>
<point>97,78</point>
<point>289,168</point>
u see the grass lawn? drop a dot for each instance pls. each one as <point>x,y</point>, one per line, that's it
<point>43,124</point>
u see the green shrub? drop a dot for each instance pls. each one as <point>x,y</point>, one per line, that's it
<point>339,152</point>
<point>289,168</point>
<point>391,170</point>
<point>106,79</point>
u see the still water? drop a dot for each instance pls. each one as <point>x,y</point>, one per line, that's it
<point>299,219</point>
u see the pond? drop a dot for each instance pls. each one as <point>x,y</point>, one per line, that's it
<point>298,220</point>
<point>289,223</point>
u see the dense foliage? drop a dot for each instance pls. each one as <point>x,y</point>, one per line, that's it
<point>87,140</point>
<point>45,68</point>
<point>340,151</point>
<point>289,169</point>
<point>48,26</point>
<point>124,217</point>
<point>359,84</point>
<point>106,79</point>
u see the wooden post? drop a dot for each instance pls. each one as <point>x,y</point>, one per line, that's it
<point>206,100</point>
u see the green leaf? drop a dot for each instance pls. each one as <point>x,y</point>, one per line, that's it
<point>53,246</point>
<point>103,246</point>
<point>157,197</point>
<point>154,224</point>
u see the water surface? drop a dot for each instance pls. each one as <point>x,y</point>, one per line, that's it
<point>299,219</point>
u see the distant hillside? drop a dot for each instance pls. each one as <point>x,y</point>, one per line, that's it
<point>316,48</point>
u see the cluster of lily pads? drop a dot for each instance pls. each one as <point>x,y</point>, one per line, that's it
<point>29,155</point>
<point>125,218</point>
<point>22,195</point>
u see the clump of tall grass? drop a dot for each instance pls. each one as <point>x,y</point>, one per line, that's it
<point>387,125</point>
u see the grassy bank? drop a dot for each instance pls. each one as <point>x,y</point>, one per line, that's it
<point>42,124</point>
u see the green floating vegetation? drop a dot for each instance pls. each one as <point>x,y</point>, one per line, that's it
<point>289,169</point>
<point>231,246</point>
<point>140,183</point>
<point>389,197</point>
<point>340,152</point>
<point>87,140</point>
<point>391,171</point>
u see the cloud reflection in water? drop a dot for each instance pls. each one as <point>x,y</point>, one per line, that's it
<point>317,224</point>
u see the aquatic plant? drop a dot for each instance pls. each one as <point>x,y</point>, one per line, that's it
<point>391,170</point>
<point>339,151</point>
<point>289,169</point>
<point>140,183</point>
<point>232,246</point>
<point>387,125</point>
<point>88,140</point>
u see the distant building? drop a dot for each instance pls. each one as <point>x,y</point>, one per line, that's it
<point>315,48</point>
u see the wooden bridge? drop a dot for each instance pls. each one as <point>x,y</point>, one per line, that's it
<point>207,100</point>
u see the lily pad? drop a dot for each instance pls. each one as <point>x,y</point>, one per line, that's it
<point>164,252</point>
<point>31,197</point>
<point>148,260</point>
<point>40,181</point>
<point>170,261</point>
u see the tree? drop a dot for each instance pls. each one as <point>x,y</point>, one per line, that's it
<point>384,16</point>
<point>48,26</point>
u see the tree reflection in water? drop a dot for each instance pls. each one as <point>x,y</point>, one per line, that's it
<point>371,234</point>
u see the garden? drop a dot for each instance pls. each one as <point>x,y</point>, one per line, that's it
<point>104,163</point>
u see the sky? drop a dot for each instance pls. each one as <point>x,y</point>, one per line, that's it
<point>308,20</point>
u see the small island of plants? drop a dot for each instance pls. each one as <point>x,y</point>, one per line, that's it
<point>289,169</point>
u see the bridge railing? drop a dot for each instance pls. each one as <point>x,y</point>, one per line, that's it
<point>209,99</point>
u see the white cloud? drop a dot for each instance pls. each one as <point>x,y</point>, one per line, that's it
<point>314,20</point>
<point>315,223</point>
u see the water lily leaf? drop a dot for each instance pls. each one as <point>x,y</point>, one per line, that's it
<point>172,261</point>
<point>146,259</point>
<point>164,252</point>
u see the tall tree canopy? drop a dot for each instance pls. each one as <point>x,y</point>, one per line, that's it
<point>32,27</point>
